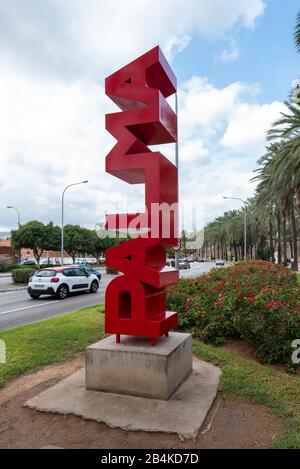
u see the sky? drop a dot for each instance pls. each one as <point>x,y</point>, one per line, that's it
<point>235,63</point>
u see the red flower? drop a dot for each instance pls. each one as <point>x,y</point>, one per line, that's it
<point>249,295</point>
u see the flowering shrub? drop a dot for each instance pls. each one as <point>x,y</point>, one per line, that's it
<point>256,301</point>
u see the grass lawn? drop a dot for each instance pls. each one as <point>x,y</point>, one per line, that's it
<point>33,346</point>
<point>298,277</point>
<point>246,379</point>
<point>30,347</point>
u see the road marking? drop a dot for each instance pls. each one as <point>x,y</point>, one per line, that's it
<point>29,307</point>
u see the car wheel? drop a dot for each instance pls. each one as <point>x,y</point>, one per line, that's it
<point>35,297</point>
<point>62,292</point>
<point>94,287</point>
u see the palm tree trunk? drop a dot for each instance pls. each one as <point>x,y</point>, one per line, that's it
<point>298,202</point>
<point>294,266</point>
<point>271,238</point>
<point>278,216</point>
<point>257,239</point>
<point>235,251</point>
<point>284,241</point>
<point>291,248</point>
<point>240,252</point>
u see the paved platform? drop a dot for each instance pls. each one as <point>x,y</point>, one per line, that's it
<point>183,414</point>
<point>136,368</point>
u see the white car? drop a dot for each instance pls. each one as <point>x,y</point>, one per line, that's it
<point>220,263</point>
<point>60,281</point>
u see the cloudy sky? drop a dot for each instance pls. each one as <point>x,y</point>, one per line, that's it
<point>235,63</point>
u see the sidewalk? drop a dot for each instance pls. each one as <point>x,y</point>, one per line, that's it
<point>6,283</point>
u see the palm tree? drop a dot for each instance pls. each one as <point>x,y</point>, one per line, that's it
<point>285,167</point>
<point>280,181</point>
<point>297,33</point>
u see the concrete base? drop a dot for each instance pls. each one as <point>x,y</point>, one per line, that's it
<point>183,414</point>
<point>135,367</point>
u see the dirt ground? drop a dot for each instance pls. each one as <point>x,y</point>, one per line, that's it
<point>230,424</point>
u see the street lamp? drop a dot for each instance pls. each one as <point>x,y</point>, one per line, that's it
<point>245,222</point>
<point>18,213</point>
<point>62,218</point>
<point>19,224</point>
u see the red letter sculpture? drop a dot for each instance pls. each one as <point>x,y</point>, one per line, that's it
<point>136,300</point>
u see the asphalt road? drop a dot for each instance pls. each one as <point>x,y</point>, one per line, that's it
<point>17,308</point>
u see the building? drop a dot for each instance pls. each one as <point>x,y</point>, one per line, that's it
<point>6,249</point>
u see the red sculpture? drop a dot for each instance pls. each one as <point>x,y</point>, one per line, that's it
<point>136,301</point>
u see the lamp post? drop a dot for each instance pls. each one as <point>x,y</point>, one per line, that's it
<point>62,218</point>
<point>18,214</point>
<point>245,222</point>
<point>19,224</point>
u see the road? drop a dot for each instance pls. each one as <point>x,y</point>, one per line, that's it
<point>17,308</point>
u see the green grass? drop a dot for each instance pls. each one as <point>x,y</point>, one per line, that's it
<point>243,378</point>
<point>36,345</point>
<point>298,278</point>
<point>30,347</point>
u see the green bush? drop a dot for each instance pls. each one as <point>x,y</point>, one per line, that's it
<point>6,264</point>
<point>22,275</point>
<point>111,271</point>
<point>256,301</point>
<point>18,266</point>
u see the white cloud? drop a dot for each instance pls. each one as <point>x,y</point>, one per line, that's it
<point>249,124</point>
<point>54,135</point>
<point>53,57</point>
<point>55,38</point>
<point>205,106</point>
<point>230,55</point>
<point>228,132</point>
<point>175,45</point>
<point>194,150</point>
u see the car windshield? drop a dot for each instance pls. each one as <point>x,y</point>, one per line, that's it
<point>46,273</point>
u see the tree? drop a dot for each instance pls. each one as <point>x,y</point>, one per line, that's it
<point>77,241</point>
<point>99,242</point>
<point>37,236</point>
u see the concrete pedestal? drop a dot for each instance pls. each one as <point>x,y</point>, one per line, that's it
<point>136,368</point>
<point>182,414</point>
<point>119,379</point>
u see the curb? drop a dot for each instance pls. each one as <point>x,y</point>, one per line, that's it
<point>13,289</point>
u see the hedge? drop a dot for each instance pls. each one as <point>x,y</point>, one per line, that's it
<point>111,271</point>
<point>22,275</point>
